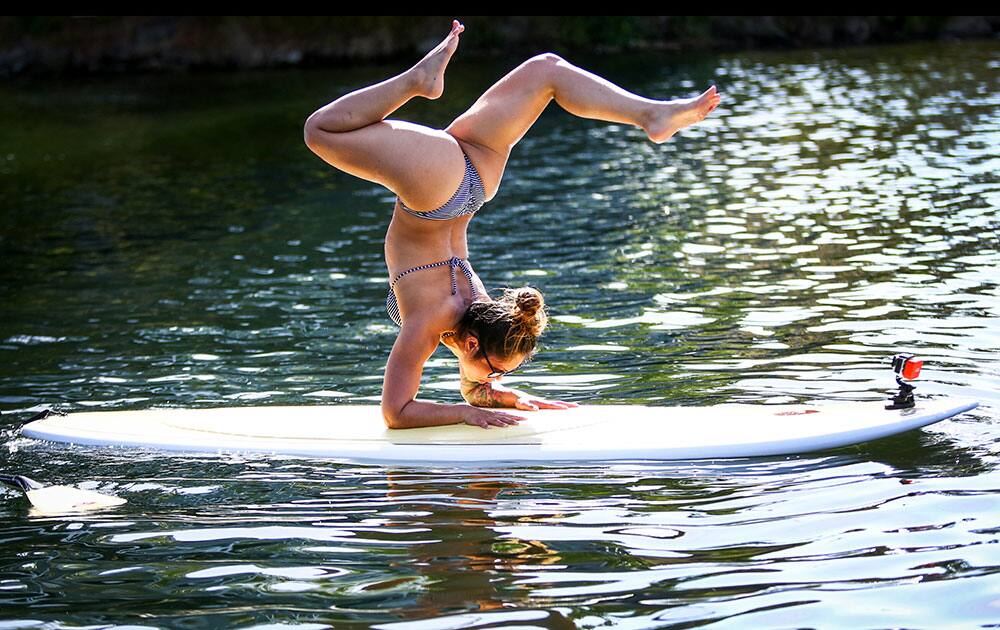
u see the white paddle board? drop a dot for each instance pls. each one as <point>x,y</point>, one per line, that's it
<point>585,433</point>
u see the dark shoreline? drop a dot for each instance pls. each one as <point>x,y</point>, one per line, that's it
<point>47,46</point>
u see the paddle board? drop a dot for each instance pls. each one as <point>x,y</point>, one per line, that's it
<point>584,433</point>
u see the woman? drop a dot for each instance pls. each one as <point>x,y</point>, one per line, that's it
<point>441,178</point>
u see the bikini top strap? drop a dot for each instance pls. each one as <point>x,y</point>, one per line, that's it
<point>452,262</point>
<point>420,268</point>
<point>468,274</point>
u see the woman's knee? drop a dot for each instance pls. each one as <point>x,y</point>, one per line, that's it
<point>539,70</point>
<point>545,59</point>
<point>320,141</point>
<point>542,64</point>
<point>332,119</point>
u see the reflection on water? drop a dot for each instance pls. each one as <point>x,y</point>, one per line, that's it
<point>649,542</point>
<point>170,242</point>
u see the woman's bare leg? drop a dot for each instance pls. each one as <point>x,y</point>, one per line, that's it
<point>372,104</point>
<point>501,116</point>
<point>420,164</point>
<point>424,166</point>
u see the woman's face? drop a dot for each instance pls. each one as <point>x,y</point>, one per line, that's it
<point>475,366</point>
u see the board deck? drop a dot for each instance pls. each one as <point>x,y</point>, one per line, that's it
<point>584,433</point>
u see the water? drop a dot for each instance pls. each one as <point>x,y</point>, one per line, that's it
<point>170,241</point>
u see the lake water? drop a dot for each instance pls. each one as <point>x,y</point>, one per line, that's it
<point>170,241</point>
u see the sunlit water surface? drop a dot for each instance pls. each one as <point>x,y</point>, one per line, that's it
<point>170,241</point>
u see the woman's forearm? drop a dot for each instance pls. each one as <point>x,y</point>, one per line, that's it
<point>420,413</point>
<point>488,394</point>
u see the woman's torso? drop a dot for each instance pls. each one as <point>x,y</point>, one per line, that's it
<point>413,241</point>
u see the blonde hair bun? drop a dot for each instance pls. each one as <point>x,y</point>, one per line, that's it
<point>509,325</point>
<point>528,301</point>
<point>527,308</point>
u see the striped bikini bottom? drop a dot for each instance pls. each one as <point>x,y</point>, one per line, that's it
<point>390,301</point>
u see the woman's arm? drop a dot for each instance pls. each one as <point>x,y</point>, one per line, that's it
<point>415,344</point>
<point>493,394</point>
<point>488,394</point>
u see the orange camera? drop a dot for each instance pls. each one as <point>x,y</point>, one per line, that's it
<point>907,367</point>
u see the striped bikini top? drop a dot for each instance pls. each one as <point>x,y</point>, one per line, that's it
<point>452,262</point>
<point>469,197</point>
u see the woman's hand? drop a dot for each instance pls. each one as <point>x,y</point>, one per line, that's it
<point>485,418</point>
<point>528,402</point>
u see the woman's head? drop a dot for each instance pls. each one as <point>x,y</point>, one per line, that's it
<point>501,334</point>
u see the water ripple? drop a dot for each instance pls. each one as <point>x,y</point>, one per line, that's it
<point>839,207</point>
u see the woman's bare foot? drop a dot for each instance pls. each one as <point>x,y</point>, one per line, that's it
<point>668,117</point>
<point>429,71</point>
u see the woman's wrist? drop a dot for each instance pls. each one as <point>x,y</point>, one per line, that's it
<point>487,395</point>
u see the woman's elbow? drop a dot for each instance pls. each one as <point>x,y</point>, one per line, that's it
<point>391,415</point>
